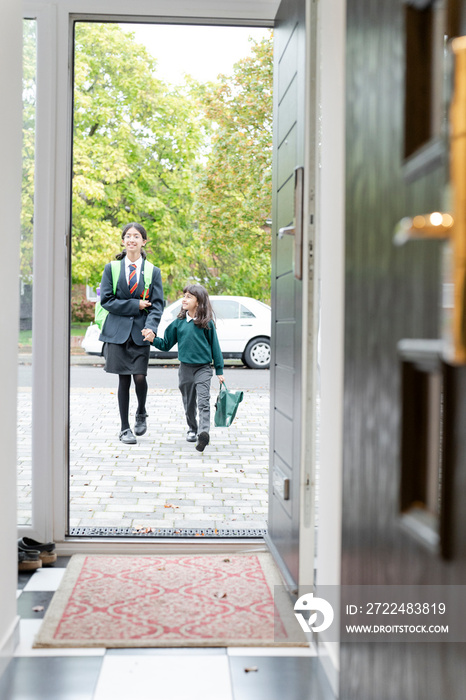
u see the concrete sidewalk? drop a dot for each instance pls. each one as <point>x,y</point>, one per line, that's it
<point>162,481</point>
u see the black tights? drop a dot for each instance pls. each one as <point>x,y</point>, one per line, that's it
<point>140,384</point>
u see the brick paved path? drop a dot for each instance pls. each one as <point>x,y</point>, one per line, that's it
<point>162,481</point>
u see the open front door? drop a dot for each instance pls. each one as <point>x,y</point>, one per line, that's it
<point>291,367</point>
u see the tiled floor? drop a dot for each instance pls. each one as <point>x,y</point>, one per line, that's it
<point>148,674</point>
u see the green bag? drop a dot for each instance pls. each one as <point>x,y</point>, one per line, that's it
<point>226,406</point>
<point>100,314</point>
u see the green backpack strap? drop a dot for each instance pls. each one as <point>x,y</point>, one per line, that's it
<point>148,270</point>
<point>100,314</point>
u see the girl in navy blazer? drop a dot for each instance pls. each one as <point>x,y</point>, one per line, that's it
<point>126,352</point>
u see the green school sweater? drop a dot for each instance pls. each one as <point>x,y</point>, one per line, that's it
<point>196,346</point>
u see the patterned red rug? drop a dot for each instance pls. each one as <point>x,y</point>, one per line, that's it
<point>168,601</point>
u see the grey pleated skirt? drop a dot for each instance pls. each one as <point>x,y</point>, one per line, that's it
<point>127,358</point>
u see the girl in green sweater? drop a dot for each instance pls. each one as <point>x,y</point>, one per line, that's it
<point>194,331</point>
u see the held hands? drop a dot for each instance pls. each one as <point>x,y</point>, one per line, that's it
<point>147,334</point>
<point>144,304</point>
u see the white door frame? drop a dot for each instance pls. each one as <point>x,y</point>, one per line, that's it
<point>43,296</point>
<point>331,273</point>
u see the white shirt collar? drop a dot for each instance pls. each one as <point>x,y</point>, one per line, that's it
<point>189,318</point>
<point>138,262</point>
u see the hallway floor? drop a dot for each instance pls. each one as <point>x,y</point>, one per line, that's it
<point>246,673</point>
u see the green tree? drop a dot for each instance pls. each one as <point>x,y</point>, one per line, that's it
<point>192,164</point>
<point>235,191</point>
<point>135,156</point>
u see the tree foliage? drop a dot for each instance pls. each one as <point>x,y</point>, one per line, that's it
<point>234,199</point>
<point>136,146</point>
<point>192,164</point>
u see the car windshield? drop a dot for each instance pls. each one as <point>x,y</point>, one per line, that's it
<point>173,312</point>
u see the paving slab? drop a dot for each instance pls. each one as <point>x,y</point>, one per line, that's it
<point>162,481</point>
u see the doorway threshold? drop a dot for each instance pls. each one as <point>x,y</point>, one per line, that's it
<point>152,532</point>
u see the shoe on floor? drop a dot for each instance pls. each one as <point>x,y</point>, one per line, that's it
<point>127,437</point>
<point>191,436</point>
<point>203,440</point>
<point>140,425</point>
<point>27,544</point>
<point>29,561</point>
<point>46,549</point>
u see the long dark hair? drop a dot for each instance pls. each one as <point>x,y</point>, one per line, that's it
<point>204,311</point>
<point>143,233</point>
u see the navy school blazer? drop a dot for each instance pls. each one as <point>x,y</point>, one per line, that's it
<point>125,318</point>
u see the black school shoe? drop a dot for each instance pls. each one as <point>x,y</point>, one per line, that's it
<point>203,440</point>
<point>140,425</point>
<point>127,437</point>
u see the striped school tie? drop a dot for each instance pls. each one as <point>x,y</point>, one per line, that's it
<point>133,279</point>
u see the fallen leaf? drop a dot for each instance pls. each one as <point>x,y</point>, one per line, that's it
<point>227,560</point>
<point>38,608</point>
<point>218,595</point>
<point>251,669</point>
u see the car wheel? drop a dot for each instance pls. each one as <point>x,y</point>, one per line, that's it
<point>257,353</point>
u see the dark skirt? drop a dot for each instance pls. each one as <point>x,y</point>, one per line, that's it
<point>127,358</point>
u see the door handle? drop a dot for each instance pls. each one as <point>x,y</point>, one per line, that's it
<point>297,228</point>
<point>286,231</point>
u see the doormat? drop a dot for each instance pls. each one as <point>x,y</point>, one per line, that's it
<point>170,601</point>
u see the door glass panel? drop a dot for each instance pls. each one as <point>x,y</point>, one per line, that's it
<point>26,278</point>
